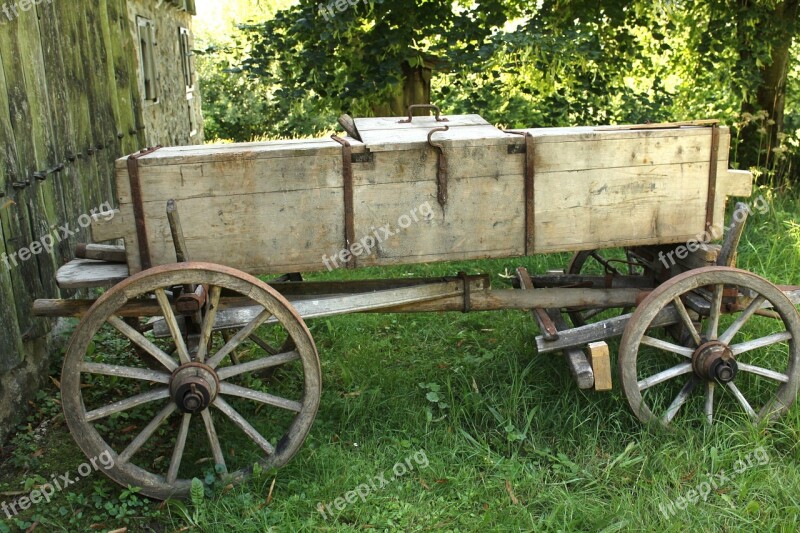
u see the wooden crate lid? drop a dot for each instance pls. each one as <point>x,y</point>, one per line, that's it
<point>389,133</point>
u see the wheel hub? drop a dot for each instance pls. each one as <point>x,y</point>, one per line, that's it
<point>714,361</point>
<point>194,387</point>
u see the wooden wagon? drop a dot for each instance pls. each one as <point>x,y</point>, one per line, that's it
<point>194,329</point>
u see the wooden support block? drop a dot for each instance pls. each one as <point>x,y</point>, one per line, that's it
<point>101,252</point>
<point>600,359</point>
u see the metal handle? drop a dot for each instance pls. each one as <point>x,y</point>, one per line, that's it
<point>411,109</point>
<point>441,167</point>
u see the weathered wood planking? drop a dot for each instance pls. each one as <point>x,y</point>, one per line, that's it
<point>279,206</point>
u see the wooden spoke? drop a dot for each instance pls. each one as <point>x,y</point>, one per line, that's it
<point>258,364</point>
<point>244,425</point>
<point>761,343</point>
<point>666,375</point>
<point>667,346</point>
<point>177,452</point>
<point>125,372</point>
<point>240,336</point>
<point>142,342</point>
<point>250,394</point>
<point>208,322</point>
<point>172,324</point>
<point>742,400</point>
<point>764,372</point>
<point>146,433</point>
<point>716,310</point>
<point>263,344</point>
<point>709,407</point>
<point>687,321</point>
<point>213,440</point>
<point>740,321</point>
<point>679,400</point>
<point>591,313</point>
<point>127,403</point>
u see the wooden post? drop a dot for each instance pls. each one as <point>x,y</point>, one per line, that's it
<point>601,365</point>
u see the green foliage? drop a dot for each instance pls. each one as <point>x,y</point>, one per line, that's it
<point>517,63</point>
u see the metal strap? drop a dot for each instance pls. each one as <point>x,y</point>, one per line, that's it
<point>138,205</point>
<point>530,173</point>
<point>712,176</point>
<point>465,280</point>
<point>347,182</point>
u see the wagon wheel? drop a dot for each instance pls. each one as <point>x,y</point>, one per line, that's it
<point>614,262</point>
<point>743,357</point>
<point>165,432</point>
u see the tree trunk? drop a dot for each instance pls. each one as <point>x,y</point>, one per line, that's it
<point>770,95</point>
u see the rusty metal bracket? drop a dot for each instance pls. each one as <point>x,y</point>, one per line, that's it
<point>542,318</point>
<point>138,205</point>
<point>347,183</point>
<point>465,282</point>
<point>712,175</point>
<point>530,174</point>
<point>411,109</point>
<point>441,165</point>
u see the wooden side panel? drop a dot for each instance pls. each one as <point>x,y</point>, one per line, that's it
<point>277,207</point>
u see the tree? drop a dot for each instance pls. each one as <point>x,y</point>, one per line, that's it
<point>545,63</point>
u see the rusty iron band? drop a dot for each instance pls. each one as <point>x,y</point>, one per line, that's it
<point>347,181</point>
<point>712,176</point>
<point>138,205</point>
<point>530,173</point>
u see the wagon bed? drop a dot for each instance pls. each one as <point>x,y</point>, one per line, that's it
<point>284,206</point>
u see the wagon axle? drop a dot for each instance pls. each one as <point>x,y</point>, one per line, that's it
<point>194,387</point>
<point>714,361</point>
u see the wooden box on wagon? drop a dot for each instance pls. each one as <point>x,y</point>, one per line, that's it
<point>407,193</point>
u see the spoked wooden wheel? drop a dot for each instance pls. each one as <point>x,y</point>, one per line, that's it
<point>202,414</point>
<point>612,262</point>
<point>740,356</point>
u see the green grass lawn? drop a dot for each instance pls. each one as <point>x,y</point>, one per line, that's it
<point>453,422</point>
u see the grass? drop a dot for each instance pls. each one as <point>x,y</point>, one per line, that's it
<point>488,436</point>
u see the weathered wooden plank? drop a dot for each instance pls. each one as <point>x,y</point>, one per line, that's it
<point>118,77</point>
<point>42,204</point>
<point>635,206</point>
<point>11,341</point>
<point>97,86</point>
<point>471,222</point>
<point>52,50</point>
<point>101,252</point>
<point>88,273</point>
<point>81,169</point>
<point>233,177</point>
<point>418,122</point>
<point>16,122</point>
<point>417,138</point>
